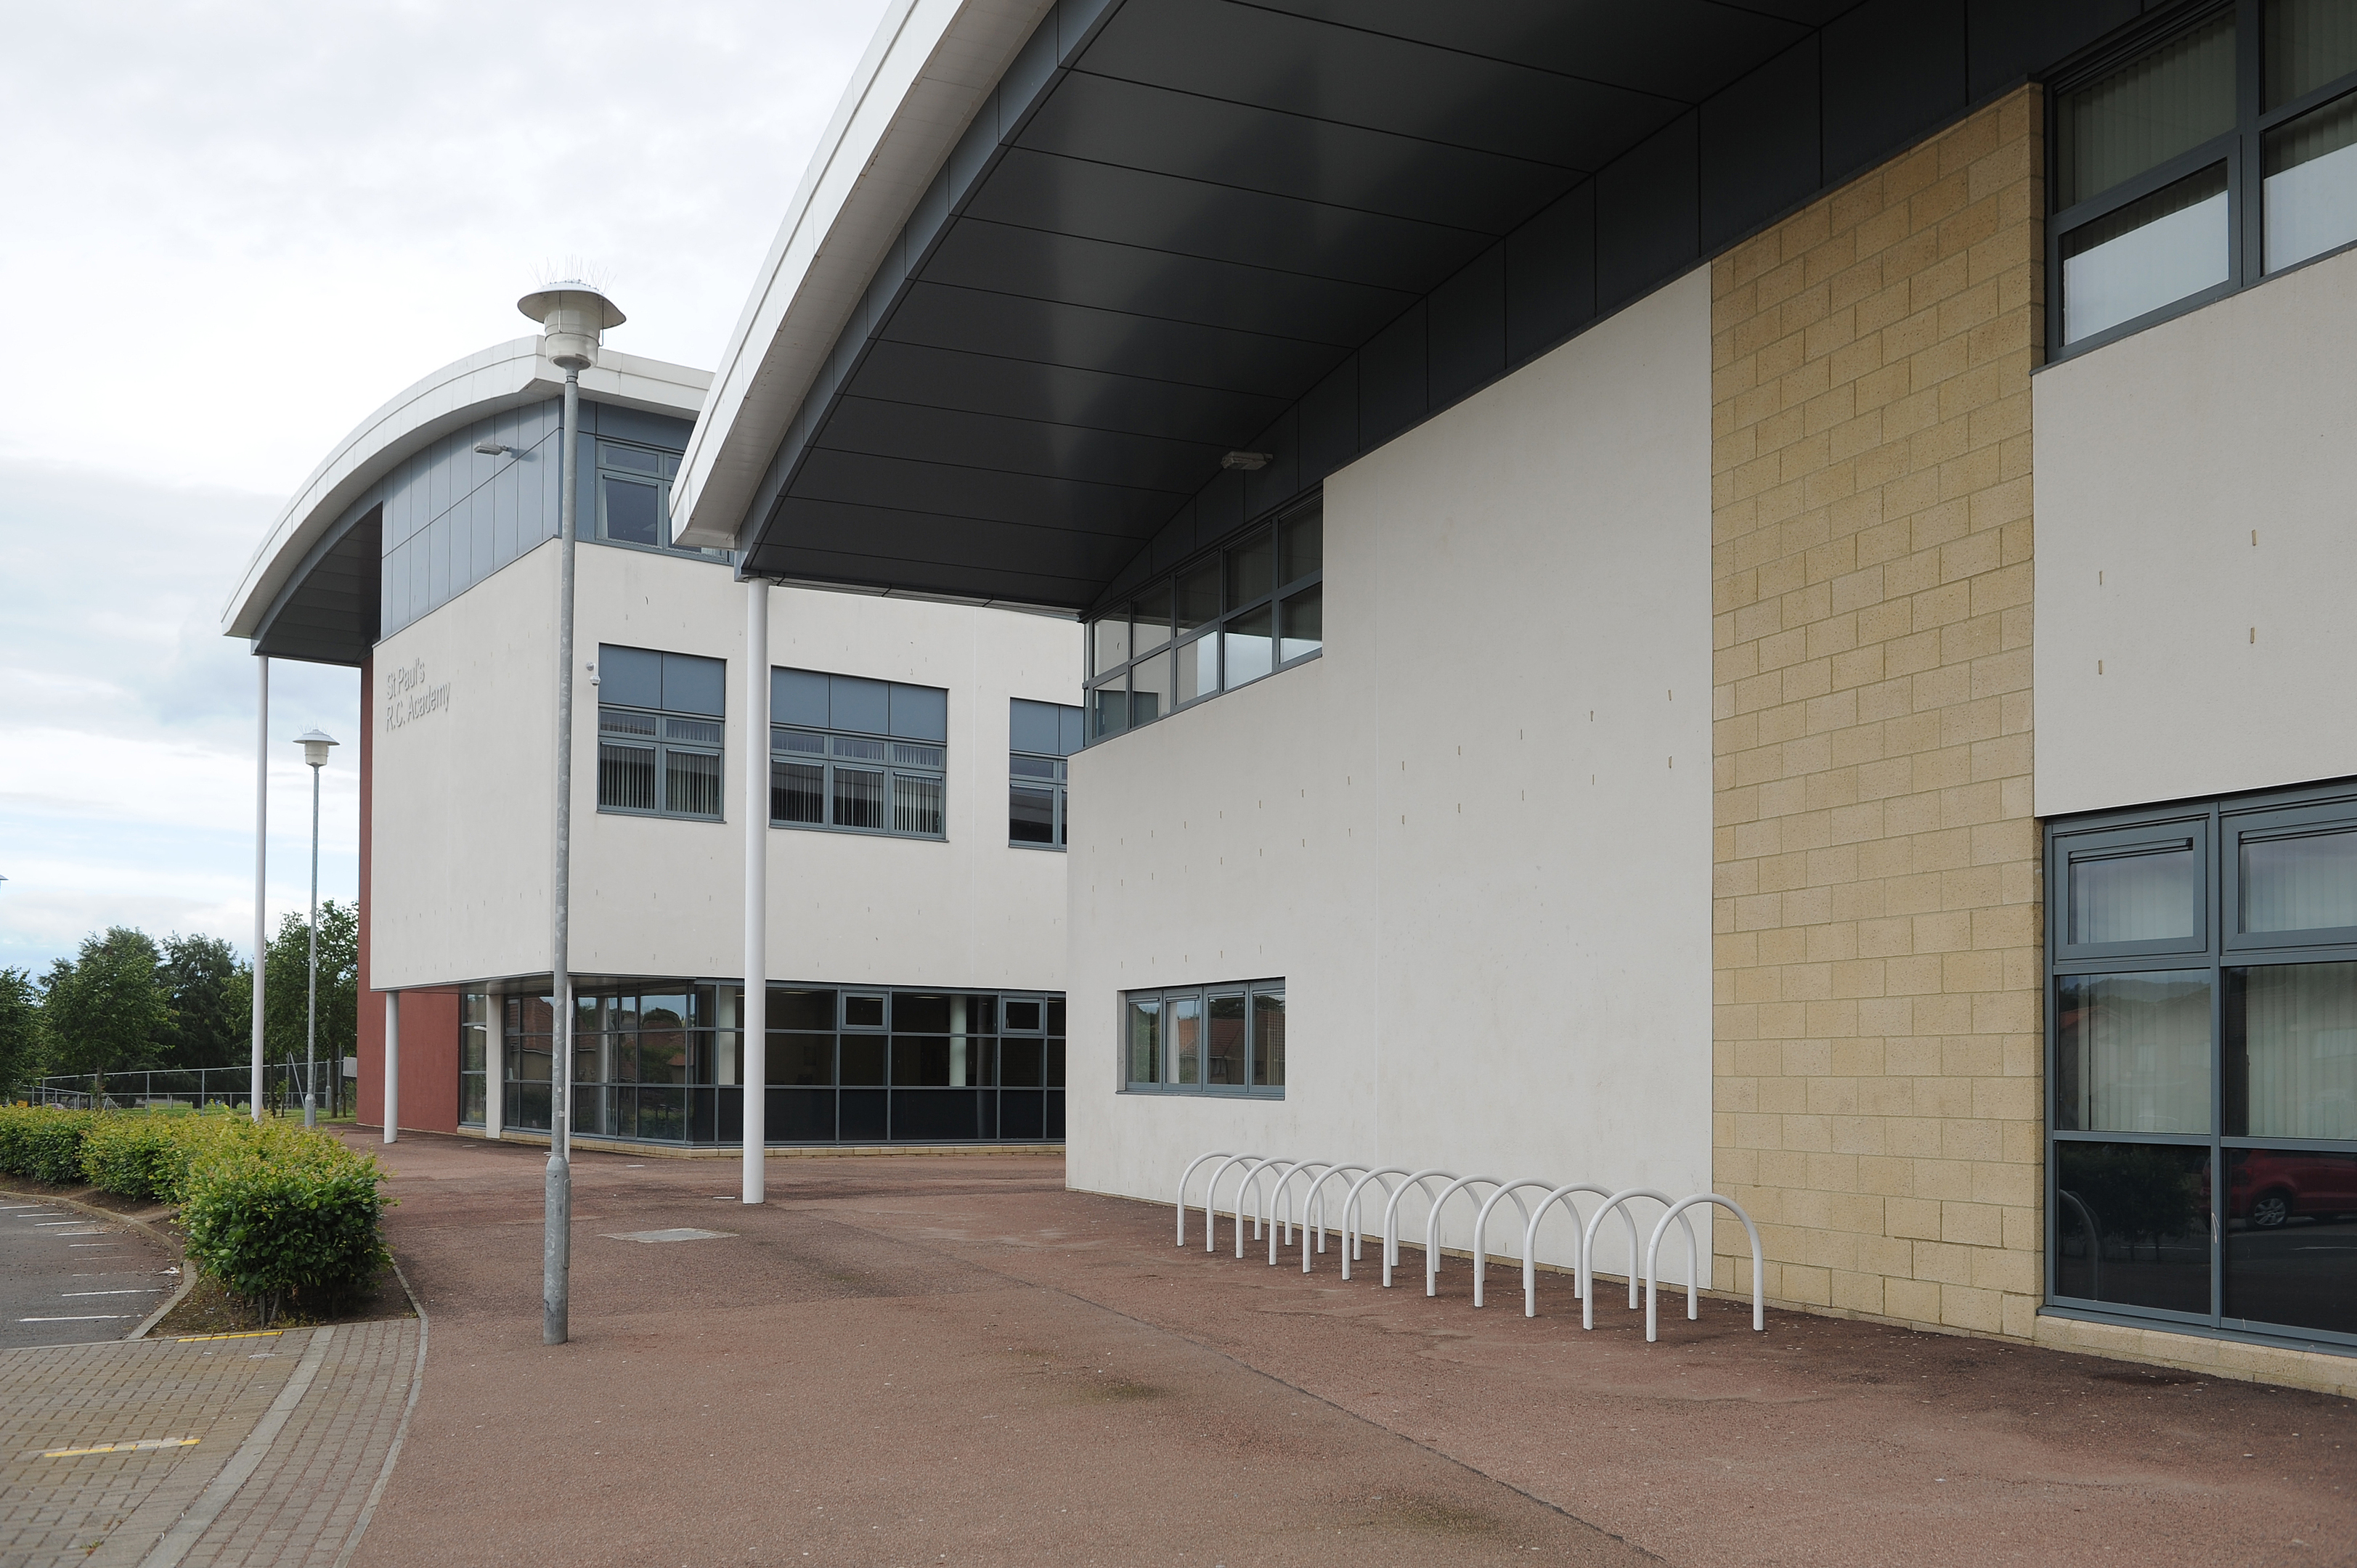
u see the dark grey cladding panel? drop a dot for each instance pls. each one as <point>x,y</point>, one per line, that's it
<point>1055,332</point>
<point>1467,330</point>
<point>1281,154</point>
<point>1893,69</point>
<point>1060,394</point>
<point>2009,39</point>
<point>1680,50</point>
<point>1001,259</point>
<point>1195,218</point>
<point>330,612</point>
<point>872,563</point>
<point>1354,76</point>
<point>635,425</point>
<point>1760,153</point>
<point>957,540</point>
<point>1047,500</point>
<point>1647,224</point>
<point>1015,445</point>
<point>1550,274</point>
<point>1284,219</point>
<point>1394,390</point>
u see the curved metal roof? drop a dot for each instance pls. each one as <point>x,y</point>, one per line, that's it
<point>1173,229</point>
<point>313,580</point>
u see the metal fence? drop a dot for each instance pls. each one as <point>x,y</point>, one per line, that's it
<point>282,1089</point>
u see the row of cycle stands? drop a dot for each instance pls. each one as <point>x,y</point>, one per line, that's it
<point>1281,1196</point>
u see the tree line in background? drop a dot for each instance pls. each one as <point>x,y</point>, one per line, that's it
<point>128,1003</point>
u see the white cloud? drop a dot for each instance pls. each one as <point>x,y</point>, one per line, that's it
<point>240,229</point>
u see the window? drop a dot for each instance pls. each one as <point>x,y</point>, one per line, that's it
<point>659,730</point>
<point>660,1061</point>
<point>1255,606</point>
<point>633,496</point>
<point>2203,1065</point>
<point>1208,1039</point>
<point>856,755</point>
<point>1040,736</point>
<point>2195,168</point>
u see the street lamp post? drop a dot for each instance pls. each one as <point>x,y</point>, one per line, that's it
<point>315,744</point>
<point>573,317</point>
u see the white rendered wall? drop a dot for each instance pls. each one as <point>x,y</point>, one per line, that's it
<point>1491,910</point>
<point>2224,664</point>
<point>460,823</point>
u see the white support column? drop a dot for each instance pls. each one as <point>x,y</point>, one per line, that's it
<point>261,861</point>
<point>391,1066</point>
<point>495,1067</point>
<point>753,1017</point>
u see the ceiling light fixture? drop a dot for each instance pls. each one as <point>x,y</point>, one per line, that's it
<point>1250,462</point>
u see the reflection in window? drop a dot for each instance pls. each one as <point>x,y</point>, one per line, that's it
<point>2291,1237</point>
<point>2306,882</point>
<point>2146,255</point>
<point>2311,185</point>
<point>2150,895</point>
<point>2132,1052</point>
<point>857,754</point>
<point>659,731</point>
<point>2132,1225</point>
<point>1240,614</point>
<point>1040,736</point>
<point>1207,1040</point>
<point>2291,1051</point>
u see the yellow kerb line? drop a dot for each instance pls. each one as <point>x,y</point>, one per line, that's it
<point>248,1334</point>
<point>122,1447</point>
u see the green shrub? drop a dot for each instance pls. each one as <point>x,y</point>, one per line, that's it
<point>287,1219</point>
<point>43,1143</point>
<point>135,1156</point>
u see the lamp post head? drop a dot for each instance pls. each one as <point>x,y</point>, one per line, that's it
<point>315,744</point>
<point>572,316</point>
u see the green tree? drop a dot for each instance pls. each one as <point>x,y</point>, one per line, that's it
<point>283,980</point>
<point>211,995</point>
<point>20,1031</point>
<point>105,1008</point>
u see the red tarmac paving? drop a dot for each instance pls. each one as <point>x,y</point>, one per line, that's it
<point>954,1360</point>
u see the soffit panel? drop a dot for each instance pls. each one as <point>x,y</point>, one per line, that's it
<point>1015,445</point>
<point>1060,394</point>
<point>1085,336</point>
<point>1002,259</point>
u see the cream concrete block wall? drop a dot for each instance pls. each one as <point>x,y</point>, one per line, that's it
<point>1472,837</point>
<point>1878,903</point>
<point>655,896</point>
<point>2196,548</point>
<point>460,813</point>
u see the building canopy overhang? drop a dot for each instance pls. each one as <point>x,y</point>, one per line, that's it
<point>1061,275</point>
<point>313,589</point>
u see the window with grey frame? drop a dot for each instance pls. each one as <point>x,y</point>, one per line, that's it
<point>2212,158</point>
<point>1245,610</point>
<point>855,755</point>
<point>659,722</point>
<point>1040,738</point>
<point>2203,1064</point>
<point>633,498</point>
<point>1205,1039</point>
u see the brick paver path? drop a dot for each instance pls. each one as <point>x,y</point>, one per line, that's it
<point>291,1434</point>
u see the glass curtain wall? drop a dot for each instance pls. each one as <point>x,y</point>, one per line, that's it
<point>660,1061</point>
<point>2225,152</point>
<point>2203,1028</point>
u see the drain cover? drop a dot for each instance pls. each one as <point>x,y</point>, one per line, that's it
<point>678,1233</point>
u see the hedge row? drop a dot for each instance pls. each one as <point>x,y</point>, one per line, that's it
<point>277,1214</point>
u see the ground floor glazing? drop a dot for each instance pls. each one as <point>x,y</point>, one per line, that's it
<point>661,1061</point>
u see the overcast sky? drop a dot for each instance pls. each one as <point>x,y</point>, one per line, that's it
<point>235,231</point>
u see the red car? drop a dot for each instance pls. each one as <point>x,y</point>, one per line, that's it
<point>2267,1186</point>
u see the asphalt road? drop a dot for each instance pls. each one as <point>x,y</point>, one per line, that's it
<point>67,1279</point>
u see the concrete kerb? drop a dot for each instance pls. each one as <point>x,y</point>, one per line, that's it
<point>162,1237</point>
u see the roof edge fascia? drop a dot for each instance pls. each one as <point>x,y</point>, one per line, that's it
<point>509,375</point>
<point>930,69</point>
